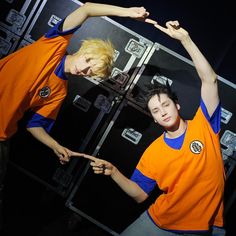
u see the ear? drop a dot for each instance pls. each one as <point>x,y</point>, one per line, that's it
<point>178,106</point>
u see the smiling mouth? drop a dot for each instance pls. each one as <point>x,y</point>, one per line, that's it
<point>167,119</point>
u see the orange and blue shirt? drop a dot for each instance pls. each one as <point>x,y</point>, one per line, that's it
<point>190,172</point>
<point>33,78</point>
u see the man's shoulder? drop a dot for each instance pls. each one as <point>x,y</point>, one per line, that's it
<point>156,142</point>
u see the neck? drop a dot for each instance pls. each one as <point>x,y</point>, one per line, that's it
<point>178,130</point>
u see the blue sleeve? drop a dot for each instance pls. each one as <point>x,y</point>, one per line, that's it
<point>215,119</point>
<point>40,121</point>
<point>56,30</point>
<point>145,183</point>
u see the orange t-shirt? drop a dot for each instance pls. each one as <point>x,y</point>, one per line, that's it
<point>28,81</point>
<point>192,179</point>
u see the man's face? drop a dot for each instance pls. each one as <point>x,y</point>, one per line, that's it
<point>164,111</point>
<point>82,65</point>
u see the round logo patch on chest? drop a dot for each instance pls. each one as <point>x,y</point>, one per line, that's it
<point>196,147</point>
<point>44,92</point>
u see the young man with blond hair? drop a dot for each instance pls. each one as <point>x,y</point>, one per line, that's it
<point>34,77</point>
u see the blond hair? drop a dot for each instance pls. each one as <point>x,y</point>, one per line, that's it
<point>101,51</point>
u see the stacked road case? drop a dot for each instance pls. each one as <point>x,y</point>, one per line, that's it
<point>14,19</point>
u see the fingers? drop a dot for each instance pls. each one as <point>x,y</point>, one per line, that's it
<point>99,166</point>
<point>150,21</point>
<point>99,169</point>
<point>63,155</point>
<point>171,28</point>
<point>66,158</point>
<point>173,24</point>
<point>146,14</point>
<point>91,158</point>
<point>138,13</point>
<point>161,28</point>
<point>77,154</point>
<point>143,12</point>
<point>176,27</point>
<point>63,160</point>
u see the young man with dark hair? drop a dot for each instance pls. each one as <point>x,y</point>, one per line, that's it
<point>185,161</point>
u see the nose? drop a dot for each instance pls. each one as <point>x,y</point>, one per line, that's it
<point>163,112</point>
<point>84,70</point>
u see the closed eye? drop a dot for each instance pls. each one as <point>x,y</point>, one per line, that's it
<point>166,104</point>
<point>154,111</point>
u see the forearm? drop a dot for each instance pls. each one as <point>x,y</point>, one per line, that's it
<point>94,9</point>
<point>77,17</point>
<point>209,89</point>
<point>104,167</point>
<point>204,69</point>
<point>128,186</point>
<point>40,134</point>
